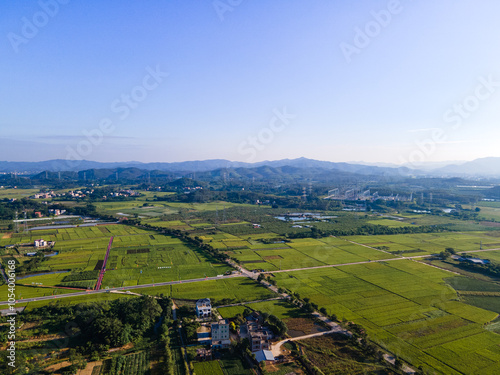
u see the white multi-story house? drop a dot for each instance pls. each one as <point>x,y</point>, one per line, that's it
<point>220,334</point>
<point>40,243</point>
<point>204,308</point>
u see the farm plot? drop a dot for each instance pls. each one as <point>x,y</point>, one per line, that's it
<point>208,368</point>
<point>407,307</point>
<point>494,255</point>
<point>131,364</point>
<point>137,257</point>
<point>280,308</point>
<point>300,253</point>
<point>231,311</point>
<point>235,289</point>
<point>23,292</point>
<point>390,223</point>
<point>142,263</point>
<point>173,224</point>
<point>427,243</point>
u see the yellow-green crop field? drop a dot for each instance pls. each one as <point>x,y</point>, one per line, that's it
<point>407,308</point>
<point>136,257</point>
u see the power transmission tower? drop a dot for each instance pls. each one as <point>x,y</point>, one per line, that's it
<point>25,222</point>
<point>16,224</point>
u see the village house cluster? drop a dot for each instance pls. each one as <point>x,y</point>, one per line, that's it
<point>217,334</point>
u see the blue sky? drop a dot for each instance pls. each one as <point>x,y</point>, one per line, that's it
<point>256,80</point>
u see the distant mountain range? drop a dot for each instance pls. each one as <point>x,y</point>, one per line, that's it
<point>485,167</point>
<point>60,165</point>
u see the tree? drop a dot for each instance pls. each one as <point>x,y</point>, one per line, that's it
<point>444,255</point>
<point>108,330</point>
<point>77,359</point>
<point>232,326</point>
<point>398,363</point>
<point>126,334</point>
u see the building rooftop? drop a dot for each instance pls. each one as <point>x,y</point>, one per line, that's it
<point>203,302</point>
<point>203,329</point>
<point>264,355</point>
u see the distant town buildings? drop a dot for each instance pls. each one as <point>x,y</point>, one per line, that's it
<point>355,194</point>
<point>84,193</point>
<point>56,212</point>
<point>46,195</point>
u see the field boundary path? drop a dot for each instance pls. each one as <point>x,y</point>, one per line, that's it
<point>361,244</point>
<point>276,348</point>
<point>103,268</point>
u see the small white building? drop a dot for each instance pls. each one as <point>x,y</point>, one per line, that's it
<point>220,334</point>
<point>40,243</point>
<point>264,356</point>
<point>204,308</point>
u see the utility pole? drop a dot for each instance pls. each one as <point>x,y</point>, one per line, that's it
<point>25,222</point>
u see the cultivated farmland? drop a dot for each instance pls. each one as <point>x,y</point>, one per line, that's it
<point>407,308</point>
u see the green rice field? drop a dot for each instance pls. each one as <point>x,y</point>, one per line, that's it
<point>407,308</point>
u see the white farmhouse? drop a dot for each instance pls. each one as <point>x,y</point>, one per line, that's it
<point>203,308</point>
<point>40,243</point>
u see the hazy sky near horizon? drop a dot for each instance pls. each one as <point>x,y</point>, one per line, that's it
<point>378,81</point>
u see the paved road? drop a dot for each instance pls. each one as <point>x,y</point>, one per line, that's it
<point>56,296</point>
<point>276,348</point>
<point>335,328</point>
